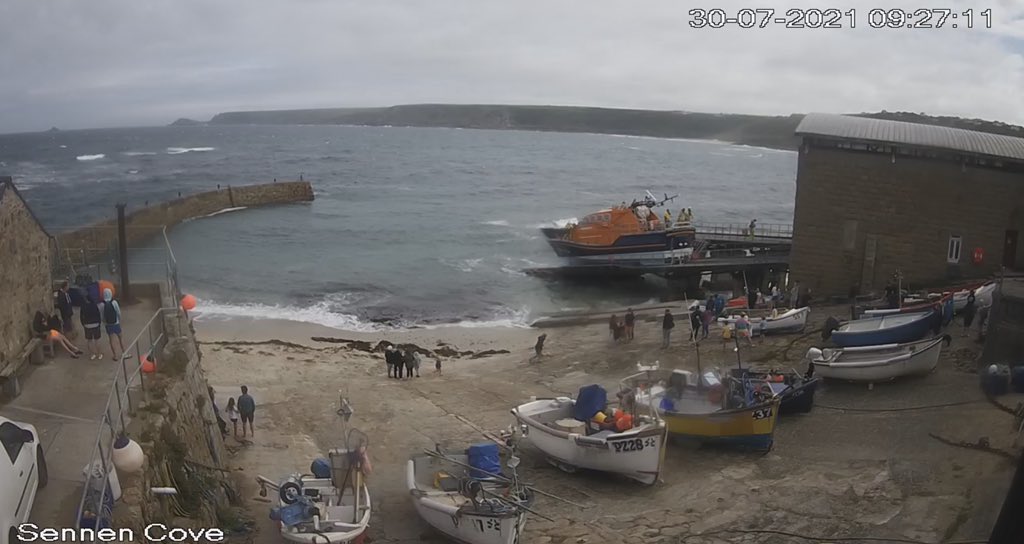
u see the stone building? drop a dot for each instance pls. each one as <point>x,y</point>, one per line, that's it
<point>24,271</point>
<point>1003,341</point>
<point>874,197</point>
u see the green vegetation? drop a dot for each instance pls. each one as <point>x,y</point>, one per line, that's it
<point>758,130</point>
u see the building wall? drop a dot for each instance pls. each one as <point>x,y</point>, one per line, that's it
<point>849,201</point>
<point>24,274</point>
<point>1004,342</point>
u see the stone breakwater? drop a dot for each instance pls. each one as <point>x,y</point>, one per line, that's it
<point>142,224</point>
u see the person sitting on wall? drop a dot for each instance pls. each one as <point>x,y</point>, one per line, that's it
<point>49,329</point>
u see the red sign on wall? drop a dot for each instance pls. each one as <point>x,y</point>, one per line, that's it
<point>979,255</point>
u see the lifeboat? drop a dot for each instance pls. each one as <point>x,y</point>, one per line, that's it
<point>633,231</point>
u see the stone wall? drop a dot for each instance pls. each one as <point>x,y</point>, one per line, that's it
<point>177,429</point>
<point>144,223</point>
<point>907,208</point>
<point>24,272</point>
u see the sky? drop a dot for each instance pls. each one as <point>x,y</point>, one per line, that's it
<point>102,63</point>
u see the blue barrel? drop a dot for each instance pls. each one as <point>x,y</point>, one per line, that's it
<point>995,384</point>
<point>321,468</point>
<point>484,458</point>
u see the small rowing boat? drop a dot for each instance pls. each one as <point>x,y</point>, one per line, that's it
<point>878,363</point>
<point>881,330</point>
<point>773,323</point>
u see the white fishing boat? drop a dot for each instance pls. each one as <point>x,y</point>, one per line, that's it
<point>331,505</point>
<point>480,508</point>
<point>790,321</point>
<point>562,428</point>
<point>982,295</point>
<point>878,363</point>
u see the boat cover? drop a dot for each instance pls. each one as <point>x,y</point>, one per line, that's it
<point>484,457</point>
<point>590,400</point>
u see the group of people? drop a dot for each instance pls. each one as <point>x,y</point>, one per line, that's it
<point>95,316</point>
<point>409,360</point>
<point>622,329</point>
<point>244,410</point>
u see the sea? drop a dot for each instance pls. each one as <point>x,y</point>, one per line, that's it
<point>410,227</point>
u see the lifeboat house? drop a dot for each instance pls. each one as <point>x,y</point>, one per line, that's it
<point>876,197</point>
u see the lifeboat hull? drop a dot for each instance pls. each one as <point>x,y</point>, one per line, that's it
<point>644,242</point>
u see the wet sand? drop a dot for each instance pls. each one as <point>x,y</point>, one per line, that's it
<point>834,472</point>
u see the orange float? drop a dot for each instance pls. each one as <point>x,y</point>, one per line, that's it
<point>188,302</point>
<point>147,364</point>
<point>54,334</point>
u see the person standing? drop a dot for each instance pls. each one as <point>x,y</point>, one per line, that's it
<point>751,298</point>
<point>417,361</point>
<point>743,328</point>
<point>709,316</point>
<point>232,411</point>
<point>613,325</point>
<point>696,323</point>
<point>538,348</point>
<point>409,363</point>
<point>968,312</point>
<point>753,225</point>
<point>112,320</point>
<point>794,296</point>
<point>630,323</point>
<point>91,320</point>
<point>389,359</point>
<point>667,324</point>
<point>67,310</point>
<point>246,410</point>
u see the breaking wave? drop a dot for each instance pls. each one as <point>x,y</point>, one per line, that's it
<point>180,150</point>
<point>90,157</point>
<point>139,153</point>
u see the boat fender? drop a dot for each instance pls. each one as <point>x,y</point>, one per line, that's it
<point>814,354</point>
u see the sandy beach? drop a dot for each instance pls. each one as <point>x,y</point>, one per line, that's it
<point>861,464</point>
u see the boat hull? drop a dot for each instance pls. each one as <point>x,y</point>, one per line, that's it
<point>748,428</point>
<point>635,454</point>
<point>463,526</point>
<point>291,534</point>
<point>641,242</point>
<point>861,335</point>
<point>789,322</point>
<point>881,363</point>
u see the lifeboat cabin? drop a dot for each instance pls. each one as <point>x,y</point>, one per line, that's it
<point>632,230</point>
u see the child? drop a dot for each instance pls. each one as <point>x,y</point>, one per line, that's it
<point>437,365</point>
<point>233,415</point>
<point>539,348</point>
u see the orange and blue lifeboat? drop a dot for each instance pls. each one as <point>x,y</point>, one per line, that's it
<point>623,230</point>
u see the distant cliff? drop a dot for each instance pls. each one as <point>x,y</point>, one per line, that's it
<point>767,131</point>
<point>183,122</point>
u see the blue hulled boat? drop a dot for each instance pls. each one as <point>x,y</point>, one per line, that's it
<point>886,329</point>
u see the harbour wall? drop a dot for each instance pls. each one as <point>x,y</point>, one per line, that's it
<point>144,223</point>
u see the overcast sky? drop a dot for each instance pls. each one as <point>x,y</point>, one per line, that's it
<point>100,63</point>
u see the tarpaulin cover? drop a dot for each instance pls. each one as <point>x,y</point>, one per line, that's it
<point>590,400</point>
<point>485,457</point>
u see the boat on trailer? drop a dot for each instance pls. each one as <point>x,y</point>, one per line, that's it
<point>773,323</point>
<point>878,363</point>
<point>330,505</point>
<point>457,495</point>
<point>562,428</point>
<point>882,330</point>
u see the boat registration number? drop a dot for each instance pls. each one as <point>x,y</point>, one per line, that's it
<point>763,413</point>
<point>484,526</point>
<point>636,444</point>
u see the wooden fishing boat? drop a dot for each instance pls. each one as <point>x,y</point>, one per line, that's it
<point>562,429</point>
<point>632,232</point>
<point>330,505</point>
<point>779,323</point>
<point>795,390</point>
<point>737,413</point>
<point>878,363</point>
<point>480,508</point>
<point>881,330</point>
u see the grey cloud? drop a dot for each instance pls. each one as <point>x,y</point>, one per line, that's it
<point>100,63</point>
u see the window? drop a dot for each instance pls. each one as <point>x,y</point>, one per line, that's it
<point>953,251</point>
<point>13,438</point>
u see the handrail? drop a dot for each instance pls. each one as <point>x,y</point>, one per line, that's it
<point>120,402</point>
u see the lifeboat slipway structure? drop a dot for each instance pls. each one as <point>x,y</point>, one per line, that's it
<point>721,248</point>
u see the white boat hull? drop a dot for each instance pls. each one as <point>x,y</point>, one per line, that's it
<point>468,528</point>
<point>636,453</point>
<point>879,363</point>
<point>346,536</point>
<point>791,321</point>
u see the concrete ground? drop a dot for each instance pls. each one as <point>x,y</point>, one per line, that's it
<point>862,464</point>
<point>64,399</point>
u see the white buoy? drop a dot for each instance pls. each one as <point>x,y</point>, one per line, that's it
<point>128,456</point>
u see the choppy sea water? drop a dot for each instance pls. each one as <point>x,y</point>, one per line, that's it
<point>410,226</point>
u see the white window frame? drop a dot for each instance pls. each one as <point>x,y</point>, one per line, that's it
<point>954,249</point>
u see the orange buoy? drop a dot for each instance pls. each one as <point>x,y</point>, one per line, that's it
<point>54,334</point>
<point>104,284</point>
<point>188,302</point>
<point>148,366</point>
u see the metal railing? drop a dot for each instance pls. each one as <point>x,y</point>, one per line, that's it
<point>127,393</point>
<point>766,230</point>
